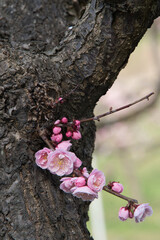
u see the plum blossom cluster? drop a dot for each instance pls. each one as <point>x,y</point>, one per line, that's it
<point>72,130</point>
<point>76,180</point>
<point>59,161</point>
<point>86,186</point>
<point>139,212</point>
<point>132,210</point>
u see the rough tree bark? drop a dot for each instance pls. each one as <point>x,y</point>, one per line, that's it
<point>47,48</point>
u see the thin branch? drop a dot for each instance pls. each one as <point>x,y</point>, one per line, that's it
<point>129,200</point>
<point>42,134</point>
<point>62,99</point>
<point>117,110</point>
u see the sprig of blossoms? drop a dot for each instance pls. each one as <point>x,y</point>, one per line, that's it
<point>139,212</point>
<point>59,160</point>
<point>83,187</point>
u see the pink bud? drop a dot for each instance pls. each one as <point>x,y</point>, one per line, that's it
<point>123,214</point>
<point>76,135</point>
<point>80,182</point>
<point>60,99</point>
<point>56,138</point>
<point>117,187</point>
<point>68,134</point>
<point>57,122</point>
<point>77,122</point>
<point>64,120</point>
<point>56,130</point>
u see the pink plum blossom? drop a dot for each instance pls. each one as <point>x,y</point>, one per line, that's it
<point>42,157</point>
<point>76,135</point>
<point>65,145</point>
<point>117,187</point>
<point>96,180</point>
<point>85,193</point>
<point>64,120</point>
<point>80,182</point>
<point>56,130</point>
<point>67,184</point>
<point>68,134</point>
<point>62,162</point>
<point>142,211</point>
<point>57,138</point>
<point>123,214</point>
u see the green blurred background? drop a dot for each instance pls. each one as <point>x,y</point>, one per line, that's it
<point>128,143</point>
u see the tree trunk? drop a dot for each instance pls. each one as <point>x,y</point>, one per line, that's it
<point>49,47</point>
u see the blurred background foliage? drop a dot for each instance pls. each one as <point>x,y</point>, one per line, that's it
<point>127,145</point>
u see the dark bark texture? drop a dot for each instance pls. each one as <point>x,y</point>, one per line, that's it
<point>47,48</point>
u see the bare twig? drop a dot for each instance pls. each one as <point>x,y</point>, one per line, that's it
<point>65,97</point>
<point>42,134</point>
<point>129,200</point>
<point>116,110</point>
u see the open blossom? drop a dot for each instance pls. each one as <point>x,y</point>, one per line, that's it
<point>62,162</point>
<point>142,211</point>
<point>123,214</point>
<point>85,193</point>
<point>42,157</point>
<point>96,180</point>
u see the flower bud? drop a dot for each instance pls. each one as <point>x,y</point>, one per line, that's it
<point>76,135</point>
<point>68,134</point>
<point>57,122</point>
<point>123,213</point>
<point>117,187</point>
<point>56,130</point>
<point>56,138</point>
<point>60,100</point>
<point>64,120</point>
<point>80,182</point>
<point>77,122</point>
